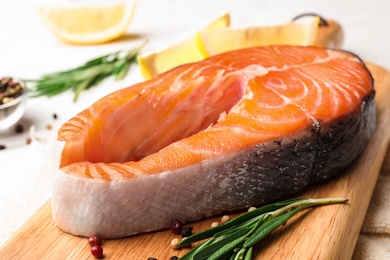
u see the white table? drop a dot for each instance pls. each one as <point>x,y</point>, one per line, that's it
<point>28,50</point>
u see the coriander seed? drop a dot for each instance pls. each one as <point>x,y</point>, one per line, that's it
<point>225,219</point>
<point>251,209</point>
<point>175,243</point>
<point>214,224</point>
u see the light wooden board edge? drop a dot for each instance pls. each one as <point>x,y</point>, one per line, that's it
<point>339,225</point>
<point>328,232</point>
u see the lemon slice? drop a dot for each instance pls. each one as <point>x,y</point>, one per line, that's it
<point>227,39</point>
<point>88,22</point>
<point>152,64</point>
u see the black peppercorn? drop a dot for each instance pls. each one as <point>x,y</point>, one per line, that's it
<point>174,258</point>
<point>186,231</point>
<point>152,258</point>
<point>19,128</point>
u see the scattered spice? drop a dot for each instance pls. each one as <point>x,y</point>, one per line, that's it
<point>49,127</point>
<point>175,243</point>
<point>225,219</point>
<point>19,128</point>
<point>9,90</point>
<point>251,209</point>
<point>94,240</point>
<point>97,251</point>
<point>55,116</point>
<point>186,231</point>
<point>176,227</point>
<point>28,140</point>
<point>2,147</point>
<point>214,224</point>
<point>152,258</point>
<point>174,258</point>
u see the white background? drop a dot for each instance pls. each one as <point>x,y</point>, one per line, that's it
<point>28,50</point>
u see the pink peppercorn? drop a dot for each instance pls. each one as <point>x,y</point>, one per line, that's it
<point>176,227</point>
<point>94,240</point>
<point>97,251</point>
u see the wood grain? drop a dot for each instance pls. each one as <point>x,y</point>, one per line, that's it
<point>328,232</point>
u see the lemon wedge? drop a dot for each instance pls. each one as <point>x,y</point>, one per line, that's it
<point>87,22</point>
<point>227,39</point>
<point>154,63</point>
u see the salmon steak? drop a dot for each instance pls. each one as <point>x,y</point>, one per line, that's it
<point>238,129</point>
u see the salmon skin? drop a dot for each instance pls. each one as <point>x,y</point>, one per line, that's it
<point>238,129</point>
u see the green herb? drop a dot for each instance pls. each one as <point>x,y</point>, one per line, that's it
<point>235,239</point>
<point>86,76</point>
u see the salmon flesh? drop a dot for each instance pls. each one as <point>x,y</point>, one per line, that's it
<point>238,129</point>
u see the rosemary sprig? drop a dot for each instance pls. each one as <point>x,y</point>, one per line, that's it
<point>236,238</point>
<point>86,76</point>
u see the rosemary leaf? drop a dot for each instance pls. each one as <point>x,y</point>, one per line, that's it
<point>98,79</point>
<point>225,249</point>
<point>190,254</point>
<point>240,254</point>
<point>85,76</point>
<point>78,88</point>
<point>121,70</point>
<point>96,61</point>
<point>234,239</point>
<point>235,228</point>
<point>219,243</point>
<point>269,226</point>
<point>248,255</point>
<point>236,221</point>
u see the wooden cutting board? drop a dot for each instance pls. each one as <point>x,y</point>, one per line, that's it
<point>327,232</point>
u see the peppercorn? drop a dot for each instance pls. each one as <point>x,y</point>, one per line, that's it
<point>54,116</point>
<point>152,258</point>
<point>176,227</point>
<point>174,258</point>
<point>2,147</point>
<point>94,240</point>
<point>19,128</point>
<point>97,251</point>
<point>186,231</point>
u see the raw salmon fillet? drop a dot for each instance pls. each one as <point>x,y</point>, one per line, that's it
<point>238,129</point>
